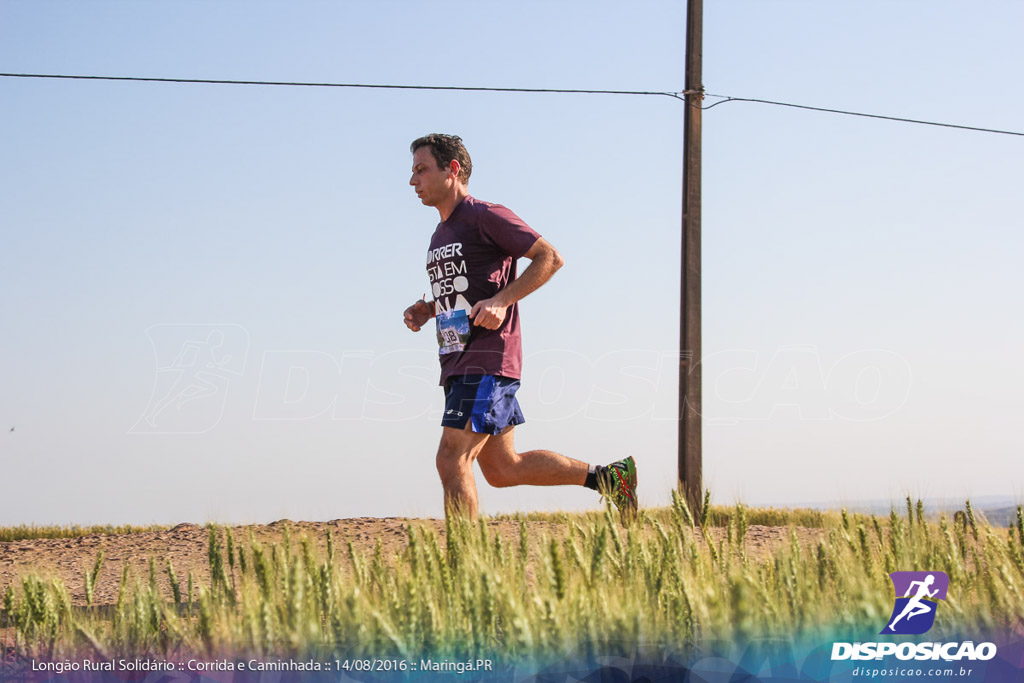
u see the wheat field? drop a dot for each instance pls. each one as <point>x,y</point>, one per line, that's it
<point>667,581</point>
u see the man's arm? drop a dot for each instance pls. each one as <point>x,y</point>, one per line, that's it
<point>544,262</point>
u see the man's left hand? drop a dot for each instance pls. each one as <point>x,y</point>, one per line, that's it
<point>489,313</point>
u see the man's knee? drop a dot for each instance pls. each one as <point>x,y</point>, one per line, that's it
<point>501,468</point>
<point>450,464</point>
<point>497,476</point>
<point>454,458</point>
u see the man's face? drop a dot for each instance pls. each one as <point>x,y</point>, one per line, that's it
<point>430,181</point>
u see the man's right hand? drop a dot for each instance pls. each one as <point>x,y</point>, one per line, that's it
<point>417,315</point>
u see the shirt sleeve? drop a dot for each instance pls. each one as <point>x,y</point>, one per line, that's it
<point>506,231</point>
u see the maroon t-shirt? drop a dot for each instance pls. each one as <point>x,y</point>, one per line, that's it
<point>472,257</point>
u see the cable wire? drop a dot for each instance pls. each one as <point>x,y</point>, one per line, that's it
<point>676,95</point>
<point>729,98</point>
<point>682,95</point>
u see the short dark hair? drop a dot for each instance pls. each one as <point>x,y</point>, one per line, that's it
<point>445,148</point>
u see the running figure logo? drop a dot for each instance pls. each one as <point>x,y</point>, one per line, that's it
<point>914,612</point>
<point>194,367</point>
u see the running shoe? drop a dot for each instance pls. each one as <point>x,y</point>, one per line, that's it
<point>620,486</point>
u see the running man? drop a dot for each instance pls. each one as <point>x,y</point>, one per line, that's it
<point>471,263</point>
<point>916,605</point>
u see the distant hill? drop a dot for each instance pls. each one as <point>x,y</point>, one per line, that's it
<point>1001,516</point>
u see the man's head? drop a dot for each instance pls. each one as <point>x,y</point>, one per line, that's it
<point>445,149</point>
<point>440,171</point>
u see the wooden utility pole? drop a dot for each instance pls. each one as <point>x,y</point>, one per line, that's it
<point>689,300</point>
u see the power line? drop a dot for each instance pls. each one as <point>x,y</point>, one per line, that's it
<point>673,94</point>
<point>676,95</point>
<point>728,98</point>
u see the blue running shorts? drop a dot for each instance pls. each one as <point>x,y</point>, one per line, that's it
<point>487,402</point>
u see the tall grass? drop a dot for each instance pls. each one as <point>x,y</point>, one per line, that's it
<point>596,587</point>
<point>712,515</point>
<point>25,532</point>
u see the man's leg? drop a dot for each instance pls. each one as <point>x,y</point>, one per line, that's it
<point>502,466</point>
<point>455,456</point>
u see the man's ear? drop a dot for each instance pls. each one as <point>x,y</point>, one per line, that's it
<point>454,168</point>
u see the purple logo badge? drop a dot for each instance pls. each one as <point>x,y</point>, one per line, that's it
<point>917,596</point>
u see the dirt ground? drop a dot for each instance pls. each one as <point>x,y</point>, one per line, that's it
<point>186,547</point>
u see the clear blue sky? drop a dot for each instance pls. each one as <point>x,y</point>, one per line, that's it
<point>201,286</point>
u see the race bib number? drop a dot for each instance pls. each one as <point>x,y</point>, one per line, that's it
<point>452,330</point>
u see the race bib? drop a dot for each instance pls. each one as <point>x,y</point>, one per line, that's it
<point>452,330</point>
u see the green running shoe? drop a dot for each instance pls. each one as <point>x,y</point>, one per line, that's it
<point>619,486</point>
